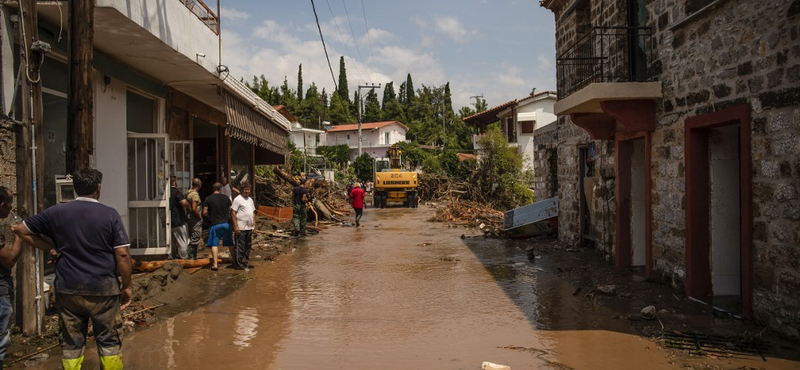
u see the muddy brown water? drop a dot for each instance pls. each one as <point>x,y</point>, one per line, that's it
<point>397,293</point>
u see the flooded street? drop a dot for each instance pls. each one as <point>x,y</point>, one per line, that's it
<point>397,293</point>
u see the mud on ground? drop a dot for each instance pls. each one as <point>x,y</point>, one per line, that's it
<point>593,277</point>
<point>157,295</point>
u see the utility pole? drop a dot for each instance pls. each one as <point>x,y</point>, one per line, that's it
<point>476,99</point>
<point>31,194</point>
<point>79,94</point>
<point>360,108</point>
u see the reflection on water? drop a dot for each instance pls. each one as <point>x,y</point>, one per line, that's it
<point>410,296</point>
<point>170,342</point>
<point>245,327</point>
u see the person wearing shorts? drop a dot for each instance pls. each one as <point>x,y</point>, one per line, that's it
<point>217,211</point>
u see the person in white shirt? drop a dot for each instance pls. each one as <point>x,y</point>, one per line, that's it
<point>243,212</point>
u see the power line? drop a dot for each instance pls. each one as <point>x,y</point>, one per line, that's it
<point>355,41</point>
<point>323,44</point>
<point>363,10</point>
<point>336,23</point>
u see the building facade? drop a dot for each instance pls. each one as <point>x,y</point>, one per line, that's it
<point>519,119</point>
<point>676,146</point>
<point>163,104</point>
<point>377,137</point>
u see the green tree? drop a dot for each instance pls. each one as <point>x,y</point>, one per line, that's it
<point>338,154</point>
<point>311,108</point>
<point>288,97</point>
<point>300,83</point>
<point>413,155</point>
<point>409,90</point>
<point>364,168</point>
<point>391,109</point>
<point>498,176</point>
<point>372,109</point>
<point>401,94</point>
<point>342,89</point>
<point>295,159</point>
<point>339,111</point>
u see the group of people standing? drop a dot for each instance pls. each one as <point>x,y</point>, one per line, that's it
<point>231,221</point>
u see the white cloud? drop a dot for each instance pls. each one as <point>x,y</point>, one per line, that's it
<point>230,14</point>
<point>376,36</point>
<point>545,64</point>
<point>452,27</point>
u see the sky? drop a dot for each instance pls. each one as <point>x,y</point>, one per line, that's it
<point>500,49</point>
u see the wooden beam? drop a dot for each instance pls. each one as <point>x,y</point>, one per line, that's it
<point>80,129</point>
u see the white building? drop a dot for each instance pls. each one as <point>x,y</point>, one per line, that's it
<point>163,104</point>
<point>519,119</point>
<point>306,140</point>
<point>377,137</point>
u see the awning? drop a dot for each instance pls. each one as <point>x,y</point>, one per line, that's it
<point>251,126</point>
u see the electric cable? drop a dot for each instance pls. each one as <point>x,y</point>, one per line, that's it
<point>369,39</point>
<point>355,41</point>
<point>313,7</point>
<point>341,36</point>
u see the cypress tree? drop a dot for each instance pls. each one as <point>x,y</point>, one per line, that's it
<point>343,89</point>
<point>409,90</point>
<point>300,83</point>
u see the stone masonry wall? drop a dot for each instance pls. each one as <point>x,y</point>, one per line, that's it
<point>571,138</point>
<point>8,155</point>
<point>545,161</point>
<point>738,52</point>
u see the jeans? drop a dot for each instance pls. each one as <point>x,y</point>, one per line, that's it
<point>6,309</point>
<point>244,242</point>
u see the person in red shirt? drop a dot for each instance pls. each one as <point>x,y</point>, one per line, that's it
<point>357,196</point>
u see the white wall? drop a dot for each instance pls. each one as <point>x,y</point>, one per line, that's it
<point>111,145</point>
<point>174,24</point>
<point>725,207</point>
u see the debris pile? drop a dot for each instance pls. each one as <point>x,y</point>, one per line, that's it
<point>435,188</point>
<point>329,203</point>
<point>470,213</point>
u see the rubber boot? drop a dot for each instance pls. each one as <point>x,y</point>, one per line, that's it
<point>110,362</point>
<point>192,251</point>
<point>73,363</point>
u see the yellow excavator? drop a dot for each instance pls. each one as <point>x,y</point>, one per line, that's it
<point>392,184</point>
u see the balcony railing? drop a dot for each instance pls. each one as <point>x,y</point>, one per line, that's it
<point>605,54</point>
<point>204,13</point>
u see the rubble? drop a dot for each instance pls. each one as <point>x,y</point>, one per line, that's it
<point>470,214</point>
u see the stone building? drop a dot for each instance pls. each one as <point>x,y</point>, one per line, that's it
<point>676,149</point>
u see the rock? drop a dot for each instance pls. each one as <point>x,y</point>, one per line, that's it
<point>626,295</point>
<point>649,313</point>
<point>492,366</point>
<point>36,360</point>
<point>663,312</point>
<point>482,225</point>
<point>607,289</point>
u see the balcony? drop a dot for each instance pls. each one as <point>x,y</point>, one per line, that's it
<point>204,13</point>
<point>608,63</point>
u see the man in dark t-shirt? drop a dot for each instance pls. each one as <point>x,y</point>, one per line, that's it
<point>217,210</point>
<point>177,209</point>
<point>299,213</point>
<point>94,251</point>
